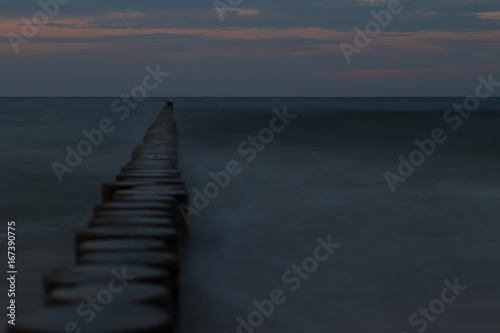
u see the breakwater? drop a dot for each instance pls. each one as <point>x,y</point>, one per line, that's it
<point>126,272</point>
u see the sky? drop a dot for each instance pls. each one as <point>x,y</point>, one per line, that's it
<point>248,47</point>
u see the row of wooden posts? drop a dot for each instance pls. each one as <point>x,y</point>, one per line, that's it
<point>126,273</point>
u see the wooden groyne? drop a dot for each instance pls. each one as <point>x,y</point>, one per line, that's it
<point>126,276</point>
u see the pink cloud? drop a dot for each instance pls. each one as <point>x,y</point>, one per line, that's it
<point>243,12</point>
<point>47,49</point>
<point>489,15</point>
<point>326,40</point>
<point>83,27</point>
<point>379,73</point>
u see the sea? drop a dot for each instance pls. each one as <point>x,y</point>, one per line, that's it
<point>351,215</point>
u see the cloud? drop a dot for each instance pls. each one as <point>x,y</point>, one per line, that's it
<point>244,12</point>
<point>406,73</point>
<point>372,2</point>
<point>123,15</point>
<point>82,27</point>
<point>432,41</point>
<point>488,15</point>
<point>40,50</point>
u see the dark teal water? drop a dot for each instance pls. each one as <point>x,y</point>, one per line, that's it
<point>322,175</point>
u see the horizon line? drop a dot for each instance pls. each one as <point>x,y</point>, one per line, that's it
<point>457,96</point>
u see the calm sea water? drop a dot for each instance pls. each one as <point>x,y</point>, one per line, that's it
<point>322,175</point>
